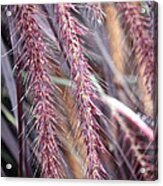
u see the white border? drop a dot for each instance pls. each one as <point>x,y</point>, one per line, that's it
<point>43,182</point>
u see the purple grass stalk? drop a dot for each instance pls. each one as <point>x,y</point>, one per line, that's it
<point>119,107</point>
<point>143,47</point>
<point>39,82</point>
<point>70,30</point>
<point>20,122</point>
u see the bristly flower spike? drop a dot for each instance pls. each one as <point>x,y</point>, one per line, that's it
<point>70,32</point>
<point>35,63</point>
<point>143,47</point>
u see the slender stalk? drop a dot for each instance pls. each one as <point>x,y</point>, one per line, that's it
<point>20,122</point>
<point>119,107</point>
